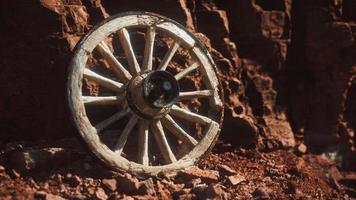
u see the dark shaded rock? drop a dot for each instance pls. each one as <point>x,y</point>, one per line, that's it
<point>73,180</point>
<point>38,160</point>
<point>127,184</point>
<point>261,194</point>
<point>215,191</point>
<point>193,182</point>
<point>41,195</point>
<point>147,187</point>
<point>200,189</point>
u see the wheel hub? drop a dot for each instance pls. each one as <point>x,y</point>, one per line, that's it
<point>151,94</point>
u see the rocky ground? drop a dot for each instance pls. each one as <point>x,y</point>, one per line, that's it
<point>60,171</point>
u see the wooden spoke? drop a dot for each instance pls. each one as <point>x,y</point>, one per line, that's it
<point>169,55</point>
<point>143,142</point>
<point>99,127</point>
<point>120,70</point>
<point>162,142</point>
<point>195,94</point>
<point>103,81</point>
<point>125,133</point>
<point>107,100</point>
<point>172,126</point>
<point>148,55</point>
<point>186,71</point>
<point>129,52</point>
<point>189,116</point>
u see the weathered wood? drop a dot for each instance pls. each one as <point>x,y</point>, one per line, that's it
<point>195,94</point>
<point>103,81</point>
<point>173,127</point>
<point>148,54</point>
<point>143,142</point>
<point>169,55</point>
<point>100,126</point>
<point>186,71</point>
<point>120,70</point>
<point>107,100</point>
<point>129,52</point>
<point>189,116</point>
<point>125,133</point>
<point>162,142</point>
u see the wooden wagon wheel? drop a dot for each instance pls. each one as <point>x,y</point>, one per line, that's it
<point>148,98</point>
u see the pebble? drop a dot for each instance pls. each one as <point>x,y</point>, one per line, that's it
<point>224,169</point>
<point>302,149</point>
<point>100,194</point>
<point>110,184</point>
<point>2,169</point>
<point>236,179</point>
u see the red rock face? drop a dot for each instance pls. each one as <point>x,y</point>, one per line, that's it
<point>287,67</point>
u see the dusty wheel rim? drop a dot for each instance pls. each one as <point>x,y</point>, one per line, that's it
<point>152,123</point>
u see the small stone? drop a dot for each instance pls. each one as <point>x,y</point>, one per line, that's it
<point>236,179</point>
<point>2,169</point>
<point>302,149</point>
<point>224,169</point>
<point>100,194</point>
<point>127,184</point>
<point>147,187</point>
<point>208,176</point>
<point>260,194</point>
<point>193,182</point>
<point>54,197</point>
<point>91,190</point>
<point>110,184</point>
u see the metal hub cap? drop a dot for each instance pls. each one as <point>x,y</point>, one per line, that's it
<point>151,94</point>
<point>160,89</point>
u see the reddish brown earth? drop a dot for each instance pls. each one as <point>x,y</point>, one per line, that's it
<point>228,173</point>
<point>288,69</point>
